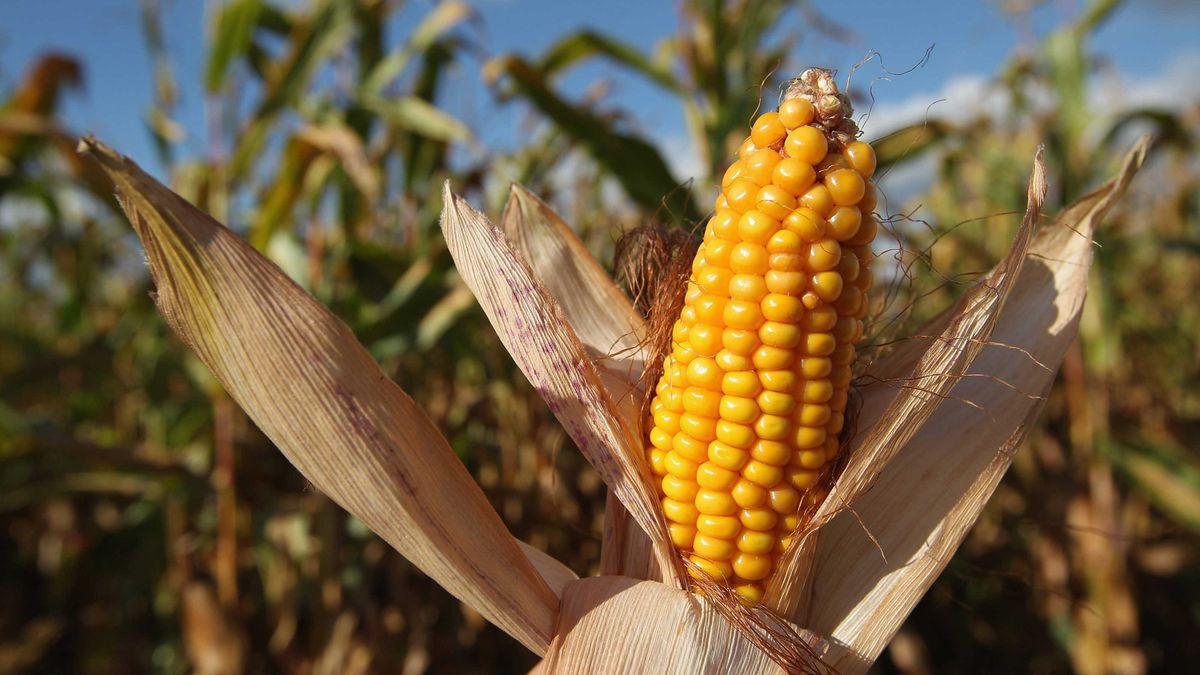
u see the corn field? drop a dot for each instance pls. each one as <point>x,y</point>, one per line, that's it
<point>147,524</point>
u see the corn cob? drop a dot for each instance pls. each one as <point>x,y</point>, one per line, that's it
<point>753,393</point>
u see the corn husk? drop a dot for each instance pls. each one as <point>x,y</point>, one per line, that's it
<point>617,624</point>
<point>534,328</point>
<point>612,332</point>
<point>315,392</point>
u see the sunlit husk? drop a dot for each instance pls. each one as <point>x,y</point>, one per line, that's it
<point>622,625</point>
<point>877,559</point>
<point>299,373</point>
<point>609,328</point>
<point>534,329</point>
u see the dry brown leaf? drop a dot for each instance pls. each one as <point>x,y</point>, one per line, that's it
<point>608,326</point>
<point>877,559</point>
<point>299,373</point>
<point>619,625</point>
<point>533,328</point>
<point>598,311</point>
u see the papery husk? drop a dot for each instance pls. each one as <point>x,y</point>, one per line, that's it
<point>905,509</point>
<point>304,379</point>
<point>914,389</point>
<point>612,331</point>
<point>617,625</point>
<point>534,329</point>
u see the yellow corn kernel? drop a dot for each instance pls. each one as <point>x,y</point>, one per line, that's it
<point>750,592</point>
<point>818,199</point>
<point>690,448</point>
<point>793,175</point>
<point>747,287</point>
<point>806,224</point>
<point>843,223</point>
<point>751,566</point>
<point>749,259</point>
<point>786,241</point>
<point>824,255</point>
<point>667,420</point>
<point>658,461</point>
<point>774,453</point>
<point>738,409</point>
<point>762,473</point>
<point>681,535</point>
<point>729,362</point>
<point>777,380</point>
<point>704,373</point>
<point>819,344</point>
<point>808,437</point>
<point>786,282</point>
<point>660,439</point>
<point>813,414</point>
<point>811,459</point>
<point>742,383</point>
<point>748,495</point>
<point>801,479</point>
<point>715,503</point>
<point>737,435</point>
<point>806,143</point>
<point>679,489</point>
<point>751,541</point>
<point>712,548</point>
<point>775,403</point>
<point>756,227</point>
<point>741,195</point>
<point>727,456</point>
<point>797,112</point>
<point>781,307</point>
<point>702,402</point>
<point>860,155</point>
<point>739,341</point>
<point>680,512</point>
<point>742,314</point>
<point>826,285</point>
<point>772,427</point>
<point>817,391</point>
<point>720,527</point>
<point>759,520</point>
<point>717,570</point>
<point>775,202</point>
<point>704,339</point>
<point>772,358</point>
<point>767,130</point>
<point>846,186</point>
<point>759,166</point>
<point>779,335</point>
<point>715,281</point>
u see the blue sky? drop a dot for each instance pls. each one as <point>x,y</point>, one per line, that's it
<point>1146,39</point>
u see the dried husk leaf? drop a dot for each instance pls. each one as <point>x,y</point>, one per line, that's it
<point>556,574</point>
<point>915,386</point>
<point>533,327</point>
<point>611,330</point>
<point>619,625</point>
<point>596,309</point>
<point>878,558</point>
<point>299,373</point>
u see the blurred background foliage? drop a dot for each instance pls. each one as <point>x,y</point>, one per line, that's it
<point>147,526</point>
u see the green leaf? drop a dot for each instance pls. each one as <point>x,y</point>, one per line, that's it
<point>233,30</point>
<point>419,116</point>
<point>909,142</point>
<point>585,44</point>
<point>431,29</point>
<point>636,164</point>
